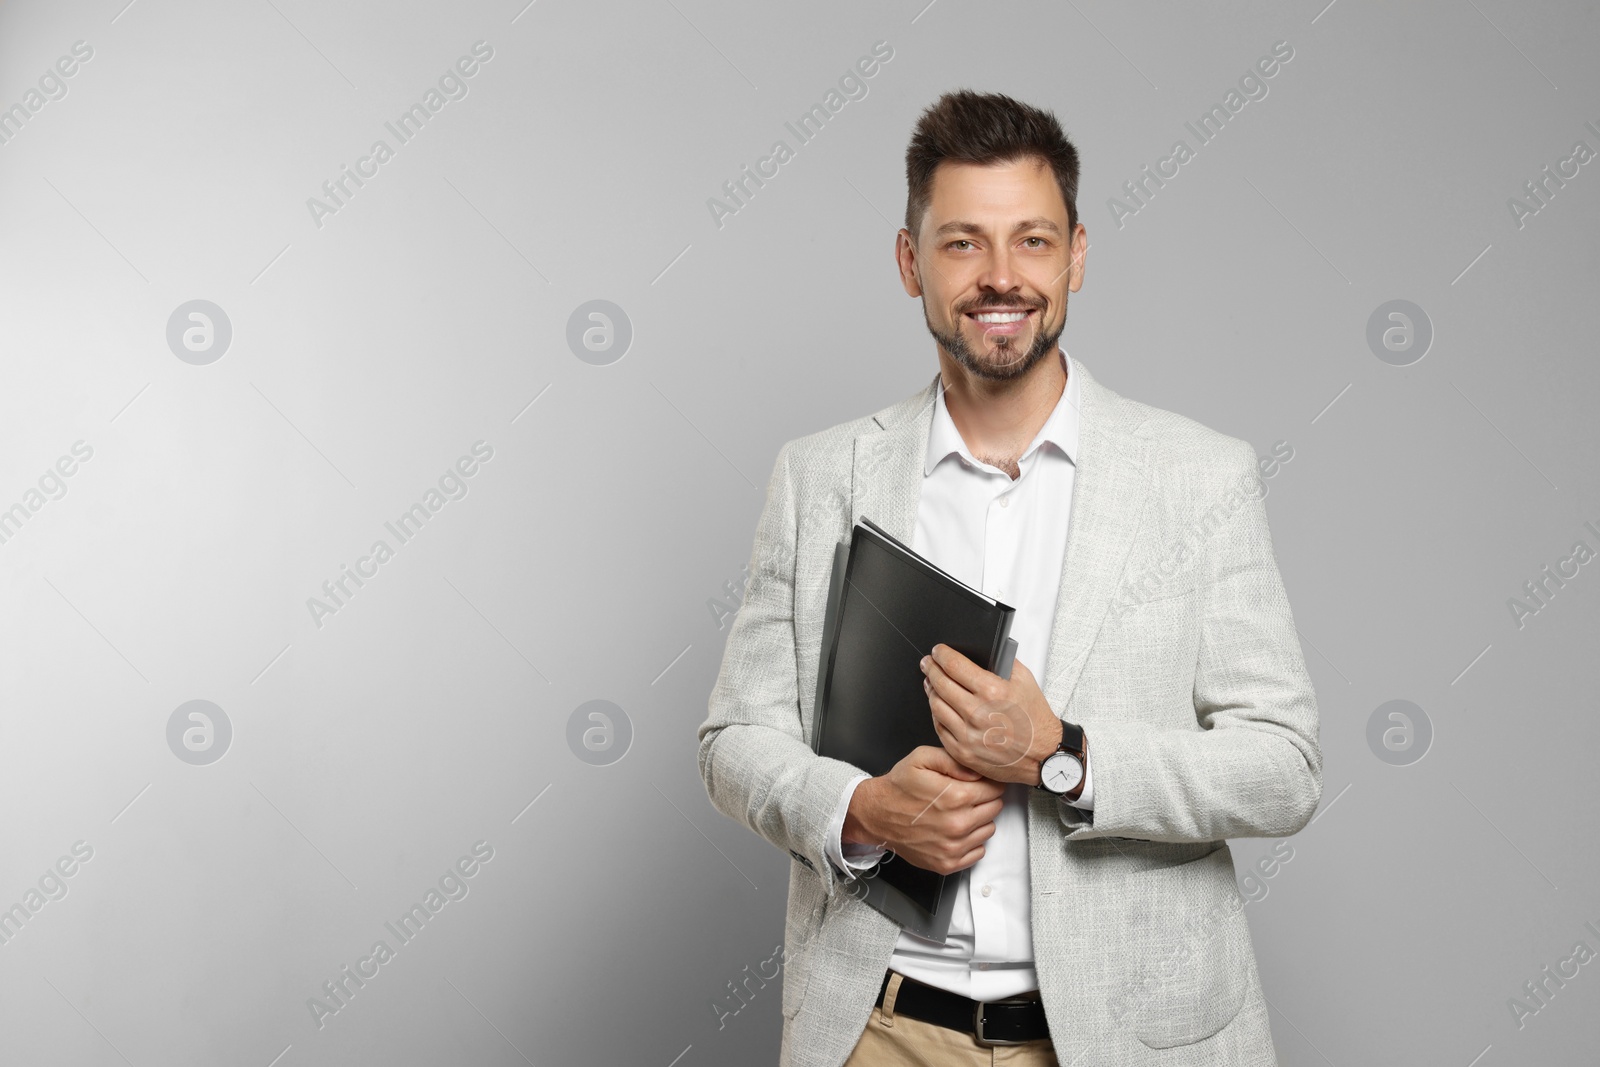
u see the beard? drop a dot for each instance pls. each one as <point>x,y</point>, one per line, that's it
<point>1003,362</point>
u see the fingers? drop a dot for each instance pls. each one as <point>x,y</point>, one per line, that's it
<point>950,857</point>
<point>974,821</point>
<point>937,759</point>
<point>951,837</point>
<point>968,792</point>
<point>979,791</point>
<point>967,861</point>
<point>975,837</point>
<point>962,830</point>
<point>965,672</point>
<point>961,786</point>
<point>989,809</point>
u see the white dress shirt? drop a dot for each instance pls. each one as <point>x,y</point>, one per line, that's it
<point>1007,538</point>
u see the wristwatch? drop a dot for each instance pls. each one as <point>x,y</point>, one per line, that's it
<point>1062,772</point>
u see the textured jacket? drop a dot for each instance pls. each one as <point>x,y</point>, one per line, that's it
<point>1173,646</point>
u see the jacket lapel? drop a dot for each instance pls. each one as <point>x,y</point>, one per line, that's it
<point>886,477</point>
<point>1110,489</point>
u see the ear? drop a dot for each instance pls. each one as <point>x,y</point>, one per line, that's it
<point>905,254</point>
<point>1080,248</point>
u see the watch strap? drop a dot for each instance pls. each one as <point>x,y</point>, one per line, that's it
<point>1071,739</point>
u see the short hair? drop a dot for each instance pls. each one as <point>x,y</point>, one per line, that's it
<point>984,128</point>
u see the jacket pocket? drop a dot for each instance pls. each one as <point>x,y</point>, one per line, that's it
<point>1188,952</point>
<point>1171,591</point>
<point>1162,606</point>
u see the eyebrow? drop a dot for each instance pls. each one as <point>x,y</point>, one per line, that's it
<point>962,226</point>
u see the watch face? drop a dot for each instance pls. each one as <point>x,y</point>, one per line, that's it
<point>1061,773</point>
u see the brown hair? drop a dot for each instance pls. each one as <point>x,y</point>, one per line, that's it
<point>984,128</point>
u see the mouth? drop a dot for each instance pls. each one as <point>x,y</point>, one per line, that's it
<point>1001,321</point>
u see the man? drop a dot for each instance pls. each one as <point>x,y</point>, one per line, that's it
<point>1159,703</point>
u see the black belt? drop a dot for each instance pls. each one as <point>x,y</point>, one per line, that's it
<point>1012,1021</point>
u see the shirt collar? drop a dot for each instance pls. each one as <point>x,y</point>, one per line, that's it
<point>1061,428</point>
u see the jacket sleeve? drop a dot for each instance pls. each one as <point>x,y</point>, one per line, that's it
<point>754,758</point>
<point>1251,766</point>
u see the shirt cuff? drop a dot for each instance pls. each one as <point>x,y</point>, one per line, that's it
<point>1086,798</point>
<point>852,857</point>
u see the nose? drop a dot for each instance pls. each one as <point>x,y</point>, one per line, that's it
<point>999,272</point>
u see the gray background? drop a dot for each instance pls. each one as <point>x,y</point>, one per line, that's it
<point>430,312</point>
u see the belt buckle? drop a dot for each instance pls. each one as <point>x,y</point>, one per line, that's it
<point>977,1027</point>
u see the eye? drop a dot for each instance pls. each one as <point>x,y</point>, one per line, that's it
<point>1040,241</point>
<point>959,241</point>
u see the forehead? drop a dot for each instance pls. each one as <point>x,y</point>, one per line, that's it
<point>995,193</point>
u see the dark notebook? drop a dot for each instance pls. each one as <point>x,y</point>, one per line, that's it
<point>887,608</point>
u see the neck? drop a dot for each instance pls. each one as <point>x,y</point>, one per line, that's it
<point>998,419</point>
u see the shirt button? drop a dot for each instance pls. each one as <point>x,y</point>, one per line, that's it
<point>986,890</point>
<point>1005,501</point>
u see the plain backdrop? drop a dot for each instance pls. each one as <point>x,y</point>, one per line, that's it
<point>354,746</point>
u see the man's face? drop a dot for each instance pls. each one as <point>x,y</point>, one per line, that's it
<point>993,263</point>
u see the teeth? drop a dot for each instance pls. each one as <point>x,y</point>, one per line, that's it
<point>1002,316</point>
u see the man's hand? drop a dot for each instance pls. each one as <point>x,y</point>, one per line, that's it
<point>1002,729</point>
<point>929,809</point>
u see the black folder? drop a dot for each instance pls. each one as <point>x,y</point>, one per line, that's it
<point>887,608</point>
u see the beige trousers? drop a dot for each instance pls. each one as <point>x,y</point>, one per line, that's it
<point>892,1040</point>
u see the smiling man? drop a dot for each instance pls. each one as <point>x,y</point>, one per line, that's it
<point>1159,703</point>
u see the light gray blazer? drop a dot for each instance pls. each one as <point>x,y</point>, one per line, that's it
<point>1173,646</point>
